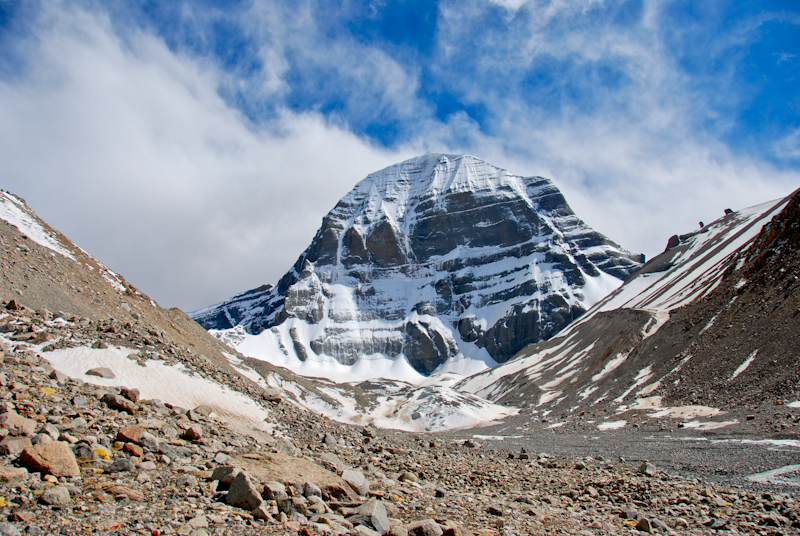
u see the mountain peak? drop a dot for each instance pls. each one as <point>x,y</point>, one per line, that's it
<point>434,259</point>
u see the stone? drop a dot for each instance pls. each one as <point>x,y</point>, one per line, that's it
<point>186,481</point>
<point>373,515</point>
<point>131,394</point>
<point>59,377</point>
<point>18,425</point>
<point>310,489</point>
<point>648,469</point>
<point>457,531</point>
<point>361,530</point>
<point>146,466</point>
<point>149,441</point>
<point>261,512</point>
<point>330,440</point>
<point>119,403</point>
<point>408,477</point>
<point>205,411</point>
<point>50,430</point>
<point>398,530</point>
<point>55,458</point>
<point>7,529</point>
<point>225,474</point>
<point>130,434</point>
<point>13,446</point>
<point>644,525</point>
<point>102,372</point>
<point>133,449</point>
<point>57,495</point>
<point>40,438</point>
<point>221,458</point>
<point>193,433</point>
<point>275,491</point>
<point>12,475</point>
<point>198,522</point>
<point>123,491</point>
<point>121,465</point>
<point>243,494</point>
<point>356,480</point>
<point>425,527</point>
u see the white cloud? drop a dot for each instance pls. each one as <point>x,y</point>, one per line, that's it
<point>128,150</point>
<point>127,147</point>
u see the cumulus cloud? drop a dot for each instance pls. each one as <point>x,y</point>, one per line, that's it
<point>128,149</point>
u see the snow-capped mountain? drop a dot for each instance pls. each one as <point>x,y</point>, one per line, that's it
<point>439,262</point>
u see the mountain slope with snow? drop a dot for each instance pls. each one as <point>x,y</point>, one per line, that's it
<point>656,347</point>
<point>439,262</point>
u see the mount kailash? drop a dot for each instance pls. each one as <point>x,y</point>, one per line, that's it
<point>437,263</point>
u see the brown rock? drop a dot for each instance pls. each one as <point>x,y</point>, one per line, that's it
<point>457,531</point>
<point>119,403</point>
<point>133,449</point>
<point>102,372</point>
<point>131,494</point>
<point>12,475</point>
<point>426,527</point>
<point>284,468</point>
<point>193,433</point>
<point>54,458</point>
<point>131,394</point>
<point>130,434</point>
<point>17,425</point>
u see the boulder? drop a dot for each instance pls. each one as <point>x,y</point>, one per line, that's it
<point>57,495</point>
<point>102,372</point>
<point>17,425</point>
<point>243,494</point>
<point>373,515</point>
<point>130,434</point>
<point>425,527</point>
<point>54,458</point>
<point>12,475</point>
<point>356,480</point>
<point>13,446</point>
<point>119,403</point>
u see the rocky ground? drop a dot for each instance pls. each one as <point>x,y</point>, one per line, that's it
<point>79,458</point>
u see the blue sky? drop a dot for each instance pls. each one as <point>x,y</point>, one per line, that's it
<point>194,146</point>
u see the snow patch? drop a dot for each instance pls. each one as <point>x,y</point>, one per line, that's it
<point>744,365</point>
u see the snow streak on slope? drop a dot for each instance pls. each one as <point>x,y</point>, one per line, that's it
<point>601,357</point>
<point>14,211</point>
<point>696,266</point>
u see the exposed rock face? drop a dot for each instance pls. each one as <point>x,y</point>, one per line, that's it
<point>432,257</point>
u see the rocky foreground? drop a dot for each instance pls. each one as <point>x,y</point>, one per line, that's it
<point>80,459</point>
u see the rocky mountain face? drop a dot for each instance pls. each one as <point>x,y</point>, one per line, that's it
<point>432,258</point>
<point>701,337</point>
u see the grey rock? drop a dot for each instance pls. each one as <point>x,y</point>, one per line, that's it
<point>186,481</point>
<point>243,494</point>
<point>121,465</point>
<point>275,491</point>
<point>7,529</point>
<point>373,515</point>
<point>310,489</point>
<point>57,495</point>
<point>425,527</point>
<point>648,469</point>
<point>41,438</point>
<point>356,480</point>
<point>225,474</point>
